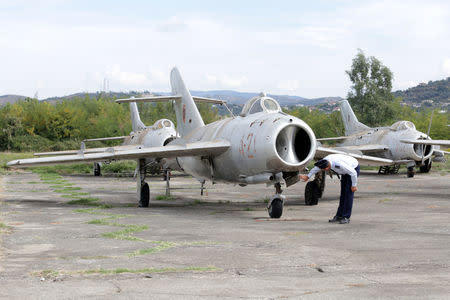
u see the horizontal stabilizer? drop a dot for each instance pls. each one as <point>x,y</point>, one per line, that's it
<point>169,98</point>
<point>190,149</point>
<point>428,142</point>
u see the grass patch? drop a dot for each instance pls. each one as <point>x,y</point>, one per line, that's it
<point>96,211</point>
<point>67,189</point>
<point>162,245</point>
<point>85,201</point>
<point>148,270</point>
<point>164,197</point>
<point>4,228</point>
<point>125,234</point>
<point>95,257</point>
<point>75,195</point>
<point>385,200</point>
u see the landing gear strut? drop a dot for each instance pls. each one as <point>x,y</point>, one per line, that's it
<point>275,207</point>
<point>314,189</point>
<point>410,172</point>
<point>143,190</point>
<point>97,169</point>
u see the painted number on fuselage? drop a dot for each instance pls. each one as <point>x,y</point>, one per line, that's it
<point>247,147</point>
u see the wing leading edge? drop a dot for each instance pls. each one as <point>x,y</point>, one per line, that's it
<point>362,159</point>
<point>190,149</point>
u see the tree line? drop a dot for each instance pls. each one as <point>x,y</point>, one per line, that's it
<point>32,125</point>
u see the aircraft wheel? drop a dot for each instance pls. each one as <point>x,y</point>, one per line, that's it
<point>426,167</point>
<point>97,169</point>
<point>145,195</point>
<point>410,173</point>
<point>312,193</point>
<point>276,208</point>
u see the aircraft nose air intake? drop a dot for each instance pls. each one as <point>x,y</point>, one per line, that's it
<point>293,144</point>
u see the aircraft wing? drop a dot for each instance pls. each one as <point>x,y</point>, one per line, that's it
<point>364,148</point>
<point>89,150</point>
<point>189,149</point>
<point>366,160</point>
<point>428,142</point>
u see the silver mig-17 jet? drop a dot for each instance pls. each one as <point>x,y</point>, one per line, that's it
<point>399,144</point>
<point>261,145</point>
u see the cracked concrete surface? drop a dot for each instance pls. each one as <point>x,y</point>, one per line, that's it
<point>223,246</point>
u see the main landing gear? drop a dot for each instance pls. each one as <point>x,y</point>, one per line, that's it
<point>314,189</point>
<point>275,207</point>
<point>97,169</point>
<point>143,190</point>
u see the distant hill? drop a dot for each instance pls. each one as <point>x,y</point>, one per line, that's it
<point>232,97</point>
<point>10,99</point>
<point>436,91</point>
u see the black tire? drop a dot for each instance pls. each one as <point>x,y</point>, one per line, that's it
<point>312,193</point>
<point>276,209</point>
<point>410,172</point>
<point>97,169</point>
<point>426,167</point>
<point>145,195</point>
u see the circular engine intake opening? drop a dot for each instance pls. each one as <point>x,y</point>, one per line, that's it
<point>422,150</point>
<point>293,144</point>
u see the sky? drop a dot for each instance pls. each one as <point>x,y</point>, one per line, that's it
<point>59,47</point>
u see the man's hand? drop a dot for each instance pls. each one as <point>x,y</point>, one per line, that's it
<point>304,177</point>
<point>354,189</point>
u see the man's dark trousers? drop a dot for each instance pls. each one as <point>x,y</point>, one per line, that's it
<point>346,199</point>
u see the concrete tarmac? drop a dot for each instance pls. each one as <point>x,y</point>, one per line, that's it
<point>75,237</point>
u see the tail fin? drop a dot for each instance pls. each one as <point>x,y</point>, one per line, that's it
<point>188,116</point>
<point>136,122</point>
<point>351,123</point>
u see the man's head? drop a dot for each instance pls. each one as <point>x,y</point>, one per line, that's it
<point>323,164</point>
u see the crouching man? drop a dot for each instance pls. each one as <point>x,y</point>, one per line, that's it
<point>348,168</point>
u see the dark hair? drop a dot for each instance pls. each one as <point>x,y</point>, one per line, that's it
<point>322,164</point>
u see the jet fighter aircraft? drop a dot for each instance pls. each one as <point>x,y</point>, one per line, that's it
<point>261,145</point>
<point>159,134</point>
<point>398,144</point>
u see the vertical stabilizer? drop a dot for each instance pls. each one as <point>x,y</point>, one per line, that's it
<point>351,123</point>
<point>136,122</point>
<point>188,116</point>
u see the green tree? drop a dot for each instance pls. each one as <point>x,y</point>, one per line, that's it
<point>370,95</point>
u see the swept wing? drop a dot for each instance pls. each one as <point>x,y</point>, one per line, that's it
<point>190,149</point>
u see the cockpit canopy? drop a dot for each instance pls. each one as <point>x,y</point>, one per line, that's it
<point>260,103</point>
<point>163,123</point>
<point>402,125</point>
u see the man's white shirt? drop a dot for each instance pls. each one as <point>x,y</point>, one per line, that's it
<point>341,164</point>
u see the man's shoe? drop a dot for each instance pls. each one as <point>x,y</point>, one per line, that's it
<point>344,221</point>
<point>335,219</point>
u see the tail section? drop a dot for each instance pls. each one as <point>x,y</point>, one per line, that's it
<point>351,123</point>
<point>136,122</point>
<point>188,116</point>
